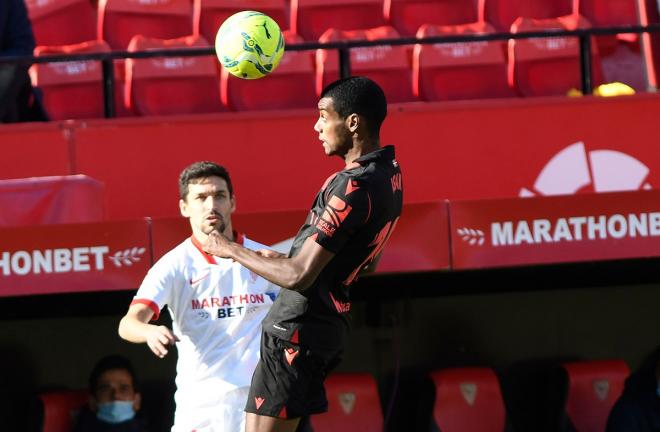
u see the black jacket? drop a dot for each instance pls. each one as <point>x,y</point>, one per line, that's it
<point>16,37</point>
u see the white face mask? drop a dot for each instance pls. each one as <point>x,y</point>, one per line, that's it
<point>115,412</point>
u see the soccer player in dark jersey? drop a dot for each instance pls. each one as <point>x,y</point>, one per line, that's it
<point>354,214</point>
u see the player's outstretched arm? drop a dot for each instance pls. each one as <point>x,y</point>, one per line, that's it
<point>296,273</point>
<point>135,327</point>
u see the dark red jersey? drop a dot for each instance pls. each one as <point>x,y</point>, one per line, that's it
<point>353,216</point>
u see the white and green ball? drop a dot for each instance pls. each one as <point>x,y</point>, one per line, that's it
<point>249,44</point>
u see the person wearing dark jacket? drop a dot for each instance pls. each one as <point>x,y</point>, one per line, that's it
<point>114,399</point>
<point>16,39</point>
<point>638,407</point>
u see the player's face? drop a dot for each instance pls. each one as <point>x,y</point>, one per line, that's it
<point>209,206</point>
<point>116,385</point>
<point>333,132</point>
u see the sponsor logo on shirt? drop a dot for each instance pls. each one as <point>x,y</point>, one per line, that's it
<point>397,182</point>
<point>333,215</point>
<point>342,307</point>
<point>229,306</point>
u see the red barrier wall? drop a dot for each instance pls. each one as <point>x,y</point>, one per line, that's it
<point>458,150</point>
<point>275,162</point>
<point>34,150</point>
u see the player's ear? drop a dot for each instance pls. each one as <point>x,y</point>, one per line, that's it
<point>183,208</point>
<point>233,203</point>
<point>352,122</point>
<point>137,402</point>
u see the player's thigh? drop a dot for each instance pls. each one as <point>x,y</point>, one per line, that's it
<point>258,423</point>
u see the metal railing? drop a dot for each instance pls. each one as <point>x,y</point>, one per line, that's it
<point>107,58</point>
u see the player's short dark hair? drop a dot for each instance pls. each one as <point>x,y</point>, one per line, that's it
<point>358,95</point>
<point>111,362</point>
<point>200,170</point>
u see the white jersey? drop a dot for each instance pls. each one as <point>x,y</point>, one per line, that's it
<point>217,306</point>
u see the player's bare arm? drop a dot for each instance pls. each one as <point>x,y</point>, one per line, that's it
<point>135,327</point>
<point>296,273</point>
<point>268,253</point>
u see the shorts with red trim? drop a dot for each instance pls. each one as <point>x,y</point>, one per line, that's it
<point>288,380</point>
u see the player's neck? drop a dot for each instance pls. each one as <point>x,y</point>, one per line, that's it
<point>359,149</point>
<point>201,237</point>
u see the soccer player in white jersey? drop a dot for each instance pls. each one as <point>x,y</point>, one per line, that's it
<point>216,305</point>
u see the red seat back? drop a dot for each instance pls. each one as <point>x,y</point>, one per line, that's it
<point>502,13</point>
<point>389,66</point>
<point>65,82</point>
<point>407,16</point>
<point>208,15</point>
<point>291,85</point>
<point>609,13</point>
<point>593,388</point>
<point>459,70</point>
<point>548,66</point>
<point>602,13</point>
<point>62,22</point>
<point>468,400</point>
<point>61,408</point>
<point>171,85</point>
<point>120,20</point>
<point>311,18</point>
<point>353,405</point>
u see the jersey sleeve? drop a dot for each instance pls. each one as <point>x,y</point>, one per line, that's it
<point>157,287</point>
<point>348,207</point>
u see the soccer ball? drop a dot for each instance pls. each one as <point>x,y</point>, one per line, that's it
<point>249,44</point>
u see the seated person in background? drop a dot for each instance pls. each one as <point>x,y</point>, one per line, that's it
<point>114,399</point>
<point>638,407</point>
<point>16,39</point>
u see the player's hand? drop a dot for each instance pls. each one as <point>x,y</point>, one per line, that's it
<point>270,253</point>
<point>159,338</point>
<point>217,244</point>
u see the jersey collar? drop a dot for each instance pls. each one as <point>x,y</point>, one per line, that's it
<point>238,238</point>
<point>386,153</point>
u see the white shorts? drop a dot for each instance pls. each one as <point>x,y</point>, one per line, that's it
<point>225,414</point>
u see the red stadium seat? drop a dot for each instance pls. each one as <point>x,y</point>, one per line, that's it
<point>71,89</point>
<point>603,13</point>
<point>208,15</point>
<point>171,85</point>
<point>407,16</point>
<point>502,13</point>
<point>607,13</point>
<point>593,388</point>
<point>388,65</point>
<point>291,85</point>
<point>62,22</point>
<point>459,70</point>
<point>548,66</point>
<point>120,20</point>
<point>60,409</point>
<point>468,400</point>
<point>353,405</point>
<point>651,48</point>
<point>620,54</point>
<point>311,18</point>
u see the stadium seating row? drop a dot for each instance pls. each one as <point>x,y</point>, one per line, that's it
<point>64,22</point>
<point>427,72</point>
<point>535,67</point>
<point>466,400</point>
